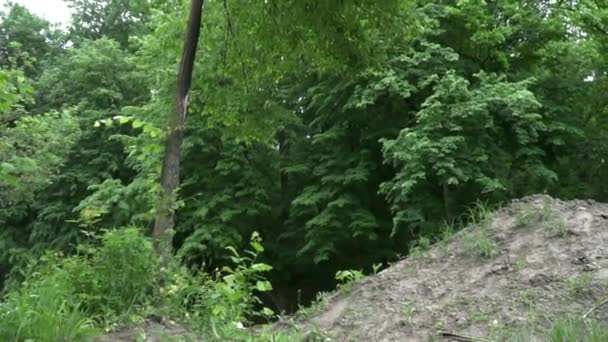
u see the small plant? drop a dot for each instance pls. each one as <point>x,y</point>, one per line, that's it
<point>579,284</point>
<point>526,217</point>
<point>520,263</point>
<point>269,334</point>
<point>546,216</point>
<point>420,247</point>
<point>315,307</point>
<point>476,239</point>
<point>376,267</point>
<point>123,269</point>
<point>446,233</point>
<point>318,335</point>
<point>529,215</point>
<point>348,278</point>
<point>478,316</point>
<point>563,330</point>
<point>517,336</point>
<point>527,298</point>
<point>408,310</point>
<point>479,243</point>
<point>220,306</point>
<point>480,215</point>
<point>439,325</point>
<point>558,227</point>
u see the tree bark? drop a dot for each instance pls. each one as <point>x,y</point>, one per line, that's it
<point>165,215</point>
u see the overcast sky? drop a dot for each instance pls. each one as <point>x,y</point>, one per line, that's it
<point>55,11</point>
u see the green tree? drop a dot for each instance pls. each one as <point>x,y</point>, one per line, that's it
<point>115,19</point>
<point>27,40</point>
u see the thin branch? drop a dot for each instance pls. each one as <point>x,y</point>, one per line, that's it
<point>460,338</point>
<point>238,50</point>
<point>599,305</point>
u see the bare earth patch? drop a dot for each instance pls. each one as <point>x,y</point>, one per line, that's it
<point>150,331</point>
<point>548,260</point>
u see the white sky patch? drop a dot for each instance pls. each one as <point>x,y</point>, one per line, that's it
<point>55,11</point>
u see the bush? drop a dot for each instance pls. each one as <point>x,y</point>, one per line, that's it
<point>115,278</point>
<point>125,268</point>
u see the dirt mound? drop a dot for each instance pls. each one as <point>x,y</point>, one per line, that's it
<point>514,271</point>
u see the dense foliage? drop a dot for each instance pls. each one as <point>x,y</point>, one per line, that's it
<point>341,131</point>
<point>67,297</point>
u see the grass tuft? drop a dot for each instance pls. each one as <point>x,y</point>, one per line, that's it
<point>566,330</point>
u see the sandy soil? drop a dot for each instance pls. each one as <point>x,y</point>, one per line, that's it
<point>548,260</point>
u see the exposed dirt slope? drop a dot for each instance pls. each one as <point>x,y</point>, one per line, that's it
<point>535,261</point>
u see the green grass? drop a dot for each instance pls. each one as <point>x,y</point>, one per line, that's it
<point>528,215</point>
<point>558,227</point>
<point>419,247</point>
<point>477,316</point>
<point>578,284</point>
<point>479,243</point>
<point>545,216</point>
<point>43,311</point>
<point>567,330</point>
<point>520,263</point>
<point>315,307</point>
<point>64,297</point>
<point>477,240</point>
<point>570,329</point>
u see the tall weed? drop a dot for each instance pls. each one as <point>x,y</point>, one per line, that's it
<point>44,310</point>
<point>63,296</point>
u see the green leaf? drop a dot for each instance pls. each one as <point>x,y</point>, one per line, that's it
<point>261,267</point>
<point>267,312</point>
<point>9,179</point>
<point>263,286</point>
<point>137,123</point>
<point>257,246</point>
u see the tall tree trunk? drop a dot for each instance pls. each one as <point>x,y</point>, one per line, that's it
<point>165,216</point>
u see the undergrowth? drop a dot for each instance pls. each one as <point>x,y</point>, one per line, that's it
<point>120,281</point>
